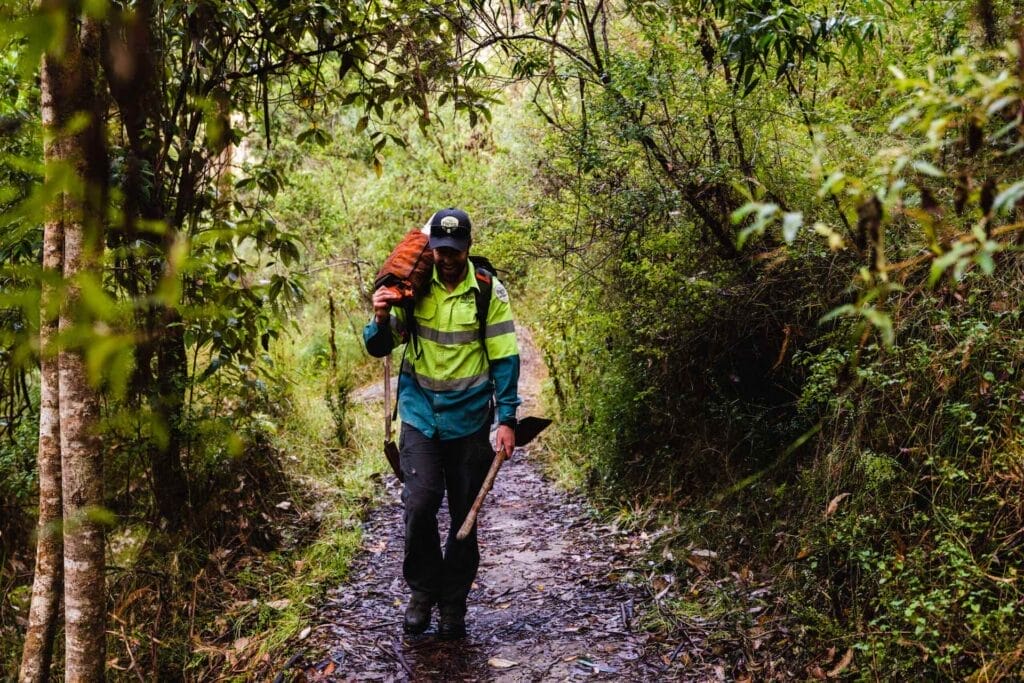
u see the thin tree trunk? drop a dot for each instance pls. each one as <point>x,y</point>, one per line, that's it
<point>49,572</point>
<point>170,488</point>
<point>84,588</point>
<point>132,72</point>
<point>84,583</point>
<point>47,582</point>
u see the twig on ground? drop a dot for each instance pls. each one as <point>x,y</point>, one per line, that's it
<point>131,656</point>
<point>401,658</point>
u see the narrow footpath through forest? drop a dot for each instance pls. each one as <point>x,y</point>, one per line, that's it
<point>552,600</point>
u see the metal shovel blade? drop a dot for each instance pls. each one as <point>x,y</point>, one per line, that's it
<point>391,453</point>
<point>528,428</point>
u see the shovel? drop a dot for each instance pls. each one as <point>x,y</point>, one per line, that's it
<point>390,448</point>
<point>526,430</point>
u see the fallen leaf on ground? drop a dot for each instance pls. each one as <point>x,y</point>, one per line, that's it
<point>699,563</point>
<point>500,663</point>
<point>833,504</point>
<point>842,665</point>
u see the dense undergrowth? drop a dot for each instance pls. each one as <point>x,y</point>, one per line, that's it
<point>876,488</point>
<point>921,560</point>
<point>274,521</point>
<point>834,415</point>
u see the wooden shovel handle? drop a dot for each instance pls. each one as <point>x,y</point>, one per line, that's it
<point>485,488</point>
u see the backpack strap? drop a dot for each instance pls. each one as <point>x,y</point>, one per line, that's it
<point>409,307</point>
<point>485,279</point>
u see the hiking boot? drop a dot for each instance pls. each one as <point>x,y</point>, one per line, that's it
<point>453,622</point>
<point>417,615</point>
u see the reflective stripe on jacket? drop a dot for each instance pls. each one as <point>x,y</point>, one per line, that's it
<point>445,385</point>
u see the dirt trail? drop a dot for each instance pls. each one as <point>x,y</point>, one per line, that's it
<point>550,602</point>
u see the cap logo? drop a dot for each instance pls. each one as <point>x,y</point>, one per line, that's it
<point>449,223</point>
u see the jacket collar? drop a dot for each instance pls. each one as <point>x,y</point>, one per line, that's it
<point>469,282</point>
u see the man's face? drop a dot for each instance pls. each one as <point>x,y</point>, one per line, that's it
<point>451,264</point>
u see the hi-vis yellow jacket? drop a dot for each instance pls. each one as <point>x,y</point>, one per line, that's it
<point>446,383</point>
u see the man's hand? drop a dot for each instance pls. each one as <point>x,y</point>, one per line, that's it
<point>383,298</point>
<point>505,440</point>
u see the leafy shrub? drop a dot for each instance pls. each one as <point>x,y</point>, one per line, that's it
<point>920,561</point>
<point>19,485</point>
<point>336,395</point>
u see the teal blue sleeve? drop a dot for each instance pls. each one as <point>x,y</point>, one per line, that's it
<point>505,373</point>
<point>377,339</point>
<point>380,340</point>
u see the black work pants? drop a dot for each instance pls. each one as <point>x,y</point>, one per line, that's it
<point>431,467</point>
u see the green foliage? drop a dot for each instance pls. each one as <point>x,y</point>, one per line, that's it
<point>20,240</point>
<point>845,391</point>
<point>17,461</point>
<point>19,485</point>
<point>781,37</point>
<point>645,324</point>
<point>20,249</point>
<point>931,427</point>
<point>336,395</point>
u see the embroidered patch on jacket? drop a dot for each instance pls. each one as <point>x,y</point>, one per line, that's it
<point>500,291</point>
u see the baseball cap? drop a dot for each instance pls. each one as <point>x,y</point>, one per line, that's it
<point>449,228</point>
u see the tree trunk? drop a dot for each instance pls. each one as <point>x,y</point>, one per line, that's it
<point>170,489</point>
<point>82,463</point>
<point>132,72</point>
<point>48,579</point>
<point>84,588</point>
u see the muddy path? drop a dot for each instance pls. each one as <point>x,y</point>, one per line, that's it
<point>553,599</point>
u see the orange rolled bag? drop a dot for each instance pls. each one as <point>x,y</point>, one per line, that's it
<point>406,272</point>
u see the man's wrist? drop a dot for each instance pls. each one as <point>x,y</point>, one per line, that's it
<point>508,422</point>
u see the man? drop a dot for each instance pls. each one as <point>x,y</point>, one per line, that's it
<point>451,383</point>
